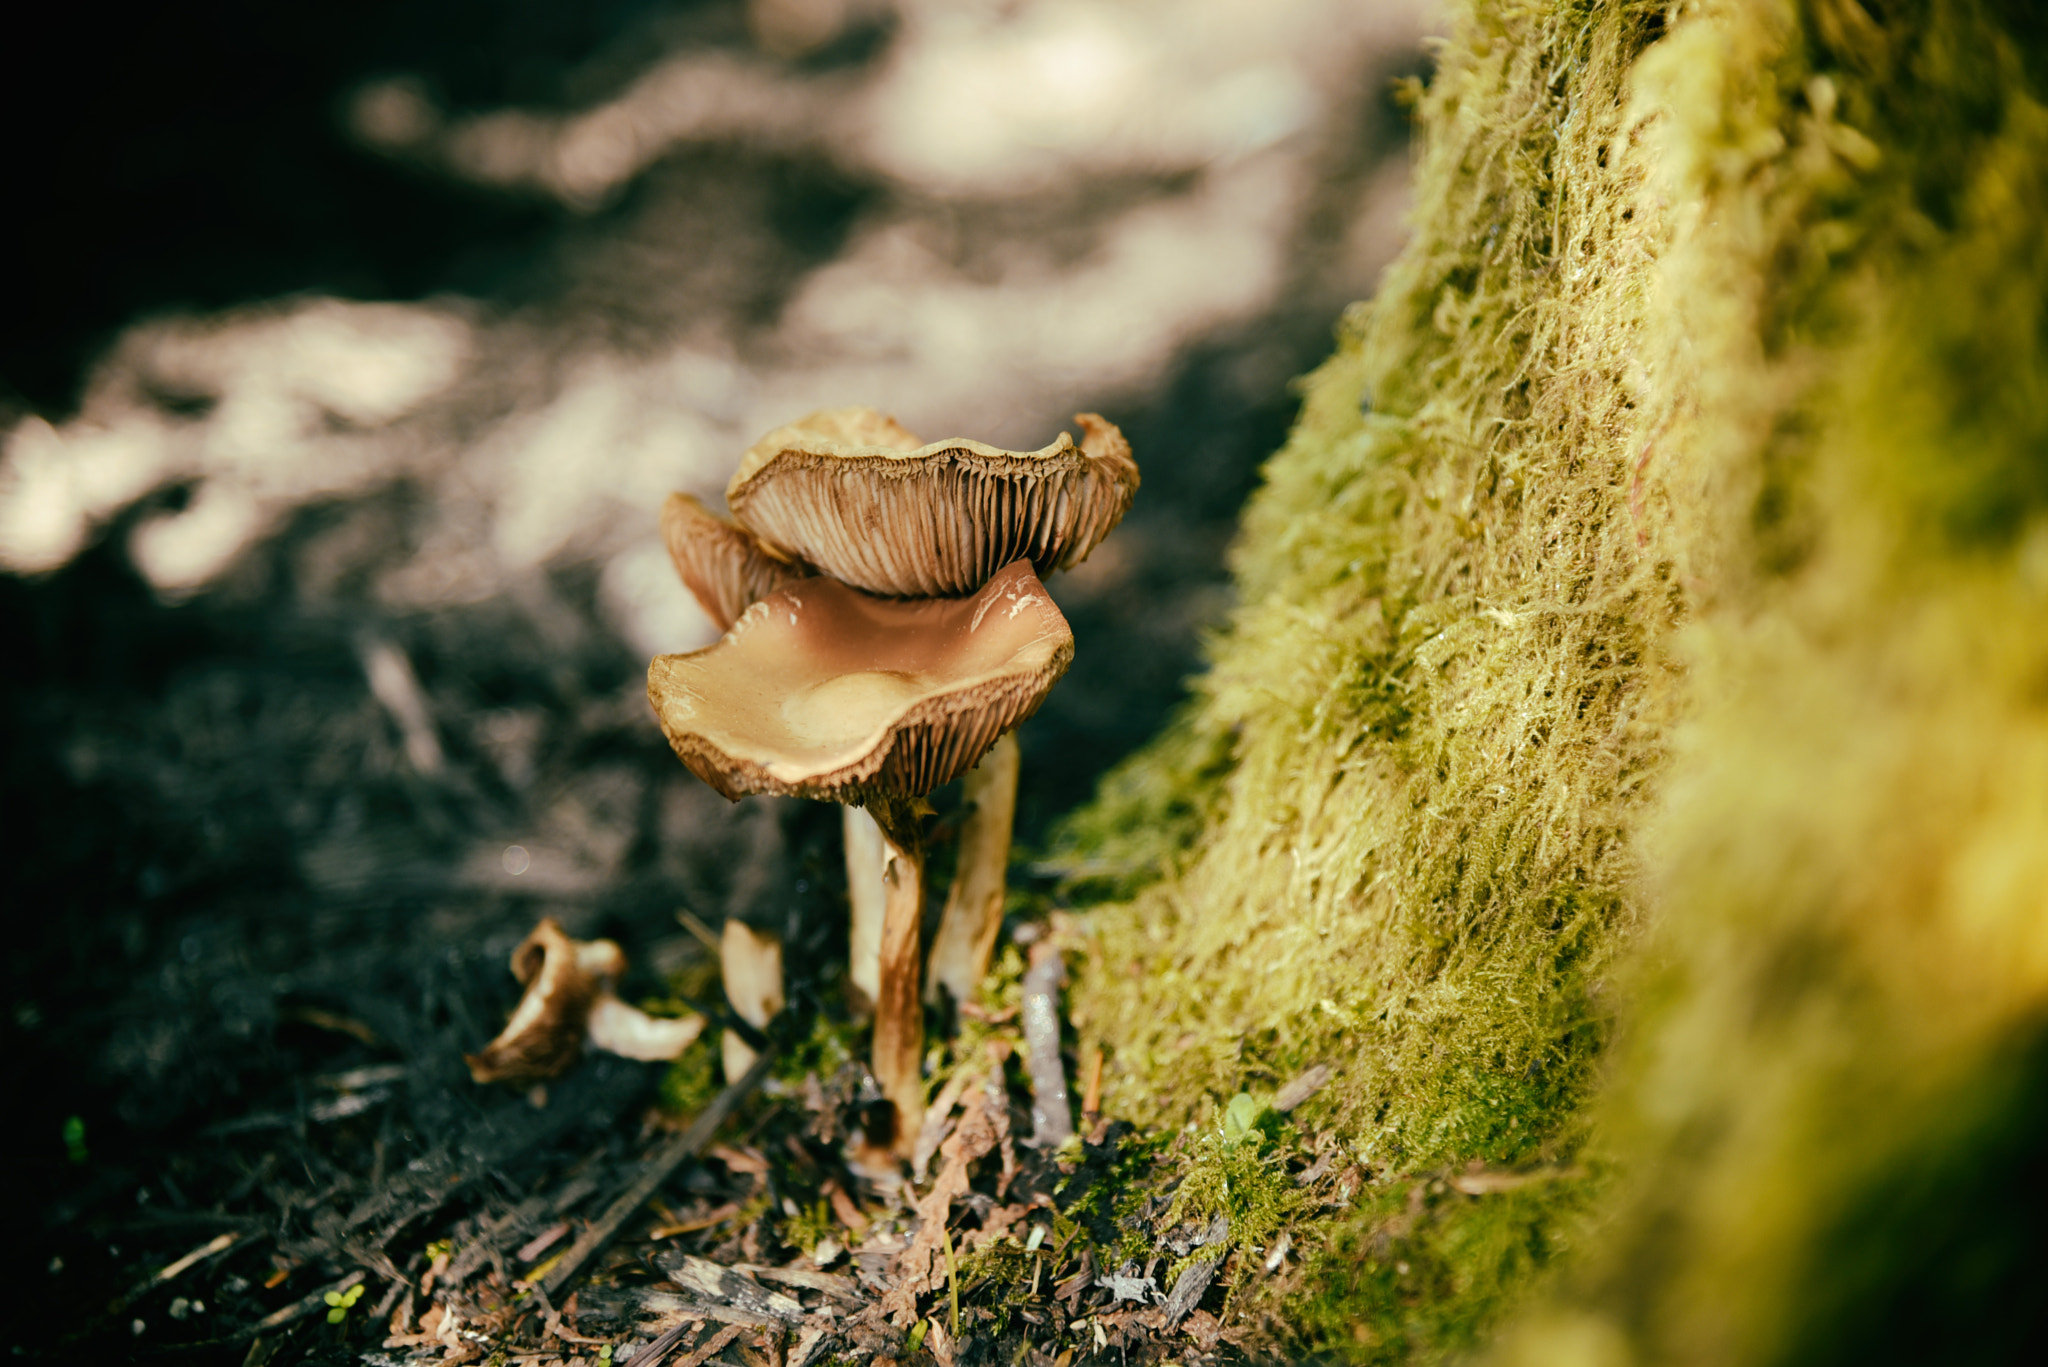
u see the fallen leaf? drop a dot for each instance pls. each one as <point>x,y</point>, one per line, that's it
<point>980,1128</point>
<point>849,1214</point>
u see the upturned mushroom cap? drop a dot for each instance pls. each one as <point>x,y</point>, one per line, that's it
<point>721,564</point>
<point>849,491</point>
<point>563,980</point>
<point>821,691</point>
<point>569,1001</point>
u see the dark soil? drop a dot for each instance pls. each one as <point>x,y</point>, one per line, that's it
<point>257,938</point>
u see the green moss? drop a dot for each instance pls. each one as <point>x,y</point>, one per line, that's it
<point>804,1230</point>
<point>1418,1270</point>
<point>689,1083</point>
<point>1416,766</point>
<point>1663,547</point>
<point>1236,1169</point>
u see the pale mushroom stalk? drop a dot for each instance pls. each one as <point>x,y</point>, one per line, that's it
<point>897,1057</point>
<point>866,854</point>
<point>750,962</point>
<point>974,904</point>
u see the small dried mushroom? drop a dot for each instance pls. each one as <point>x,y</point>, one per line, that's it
<point>569,1003</point>
<point>824,692</point>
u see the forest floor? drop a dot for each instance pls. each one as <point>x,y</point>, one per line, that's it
<point>341,688</point>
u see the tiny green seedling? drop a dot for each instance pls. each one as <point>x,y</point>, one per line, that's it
<point>604,1356</point>
<point>952,1278</point>
<point>74,1139</point>
<point>338,1302</point>
<point>1241,1118</point>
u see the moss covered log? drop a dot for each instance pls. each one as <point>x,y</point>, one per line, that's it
<point>1628,763</point>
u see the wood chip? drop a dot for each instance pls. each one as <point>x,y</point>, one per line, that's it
<point>716,1343</point>
<point>1194,1279</point>
<point>808,1340</point>
<point>728,1286</point>
<point>1302,1088</point>
<point>810,1279</point>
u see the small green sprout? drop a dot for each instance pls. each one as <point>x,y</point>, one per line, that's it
<point>1241,1118</point>
<point>604,1356</point>
<point>339,1302</point>
<point>952,1277</point>
<point>74,1138</point>
<point>917,1333</point>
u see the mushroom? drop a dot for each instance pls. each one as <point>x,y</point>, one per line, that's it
<point>856,494</point>
<point>568,1003</point>
<point>824,692</point>
<point>852,493</point>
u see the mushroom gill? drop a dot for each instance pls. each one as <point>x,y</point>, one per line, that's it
<point>849,491</point>
<point>722,565</point>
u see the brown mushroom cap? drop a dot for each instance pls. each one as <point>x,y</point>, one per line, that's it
<point>569,1002</point>
<point>851,492</point>
<point>821,691</point>
<point>721,564</point>
<point>563,980</point>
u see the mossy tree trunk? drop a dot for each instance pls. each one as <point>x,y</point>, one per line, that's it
<point>1646,623</point>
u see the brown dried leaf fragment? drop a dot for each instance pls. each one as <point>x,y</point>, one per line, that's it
<point>983,1125</point>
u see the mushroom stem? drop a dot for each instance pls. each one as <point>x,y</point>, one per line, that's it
<point>750,962</point>
<point>974,904</point>
<point>898,1055</point>
<point>865,857</point>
